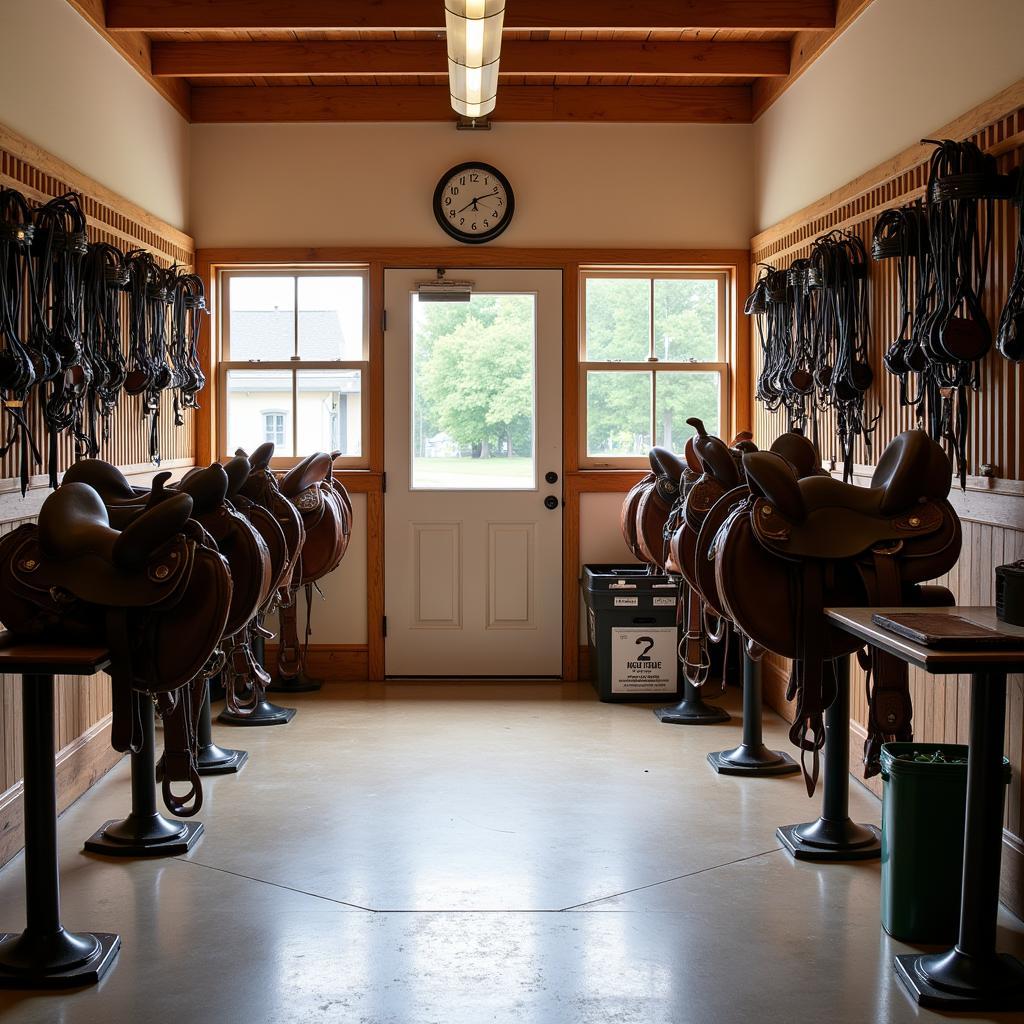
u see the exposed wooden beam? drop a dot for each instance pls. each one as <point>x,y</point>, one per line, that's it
<point>428,57</point>
<point>806,48</point>
<point>242,15</point>
<point>431,103</point>
<point>135,48</point>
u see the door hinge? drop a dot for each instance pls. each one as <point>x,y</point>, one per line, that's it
<point>384,625</point>
<point>384,482</point>
<point>384,320</point>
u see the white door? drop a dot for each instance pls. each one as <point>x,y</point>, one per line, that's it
<point>472,437</point>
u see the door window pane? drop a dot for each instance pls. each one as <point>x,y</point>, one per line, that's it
<point>618,319</point>
<point>261,317</point>
<point>251,395</point>
<point>331,317</point>
<point>618,413</point>
<point>680,395</point>
<point>686,319</point>
<point>473,393</point>
<point>329,411</point>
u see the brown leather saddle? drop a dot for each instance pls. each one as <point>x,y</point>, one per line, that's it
<point>156,593</point>
<point>325,508</point>
<point>794,546</point>
<point>239,538</point>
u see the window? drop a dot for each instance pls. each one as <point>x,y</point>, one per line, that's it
<point>652,355</point>
<point>273,428</point>
<point>294,361</point>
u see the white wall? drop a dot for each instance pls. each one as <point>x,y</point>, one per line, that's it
<point>63,87</point>
<point>372,184</point>
<point>903,69</point>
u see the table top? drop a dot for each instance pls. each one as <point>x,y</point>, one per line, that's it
<point>21,657</point>
<point>948,660</point>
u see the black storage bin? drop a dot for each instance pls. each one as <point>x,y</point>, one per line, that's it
<point>633,634</point>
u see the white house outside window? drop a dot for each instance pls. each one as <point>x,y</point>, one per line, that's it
<point>294,361</point>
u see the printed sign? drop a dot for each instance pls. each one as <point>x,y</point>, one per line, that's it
<point>626,602</point>
<point>664,602</point>
<point>644,660</point>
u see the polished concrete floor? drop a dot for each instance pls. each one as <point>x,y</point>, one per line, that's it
<point>426,854</point>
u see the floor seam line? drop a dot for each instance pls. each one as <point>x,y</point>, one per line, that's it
<point>276,885</point>
<point>676,878</point>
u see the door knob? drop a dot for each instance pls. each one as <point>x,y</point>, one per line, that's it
<point>551,476</point>
<point>551,502</point>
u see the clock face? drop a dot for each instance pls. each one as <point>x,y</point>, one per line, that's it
<point>473,202</point>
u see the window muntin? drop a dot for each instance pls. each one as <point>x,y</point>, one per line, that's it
<point>294,342</point>
<point>652,354</point>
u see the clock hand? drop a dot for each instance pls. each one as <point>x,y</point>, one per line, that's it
<point>477,199</point>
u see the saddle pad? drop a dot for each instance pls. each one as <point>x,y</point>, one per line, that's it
<point>943,630</point>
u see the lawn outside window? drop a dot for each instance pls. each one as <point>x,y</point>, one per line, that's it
<point>652,354</point>
<point>294,361</point>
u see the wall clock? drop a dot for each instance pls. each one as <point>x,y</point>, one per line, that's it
<point>473,202</point>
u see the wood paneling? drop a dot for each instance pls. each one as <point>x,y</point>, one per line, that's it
<point>655,104</point>
<point>992,509</point>
<point>82,705</point>
<point>239,15</point>
<point>363,58</point>
<point>333,663</point>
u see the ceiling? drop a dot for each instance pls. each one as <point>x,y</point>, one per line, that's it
<point>716,61</point>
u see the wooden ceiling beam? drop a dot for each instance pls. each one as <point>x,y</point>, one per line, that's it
<point>428,57</point>
<point>667,104</point>
<point>406,15</point>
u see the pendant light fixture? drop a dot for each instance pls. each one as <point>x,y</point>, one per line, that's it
<point>474,45</point>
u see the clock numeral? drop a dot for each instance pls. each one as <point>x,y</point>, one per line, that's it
<point>500,204</point>
<point>447,200</point>
<point>486,224</point>
<point>462,220</point>
<point>472,227</point>
<point>474,176</point>
<point>451,213</point>
<point>462,180</point>
<point>454,190</point>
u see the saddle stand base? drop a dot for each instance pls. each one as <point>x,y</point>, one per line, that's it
<point>831,841</point>
<point>214,760</point>
<point>137,837</point>
<point>834,837</point>
<point>265,714</point>
<point>752,757</point>
<point>744,760</point>
<point>295,684</point>
<point>966,984</point>
<point>145,832</point>
<point>63,960</point>
<point>692,710</point>
<point>211,759</point>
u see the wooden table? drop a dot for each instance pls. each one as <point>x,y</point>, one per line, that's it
<point>972,975</point>
<point>44,955</point>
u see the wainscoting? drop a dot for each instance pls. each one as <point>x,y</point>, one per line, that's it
<point>992,508</point>
<point>82,706</point>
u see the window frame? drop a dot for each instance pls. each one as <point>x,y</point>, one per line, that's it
<point>653,364</point>
<point>294,363</point>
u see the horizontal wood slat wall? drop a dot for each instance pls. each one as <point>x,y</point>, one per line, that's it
<point>992,510</point>
<point>82,705</point>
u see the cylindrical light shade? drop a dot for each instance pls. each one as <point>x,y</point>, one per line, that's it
<point>474,45</point>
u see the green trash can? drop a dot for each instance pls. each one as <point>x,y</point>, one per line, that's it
<point>923,809</point>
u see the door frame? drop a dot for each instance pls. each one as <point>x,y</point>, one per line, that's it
<point>366,662</point>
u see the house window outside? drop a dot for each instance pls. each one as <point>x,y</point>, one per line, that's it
<point>294,361</point>
<point>273,428</point>
<point>652,355</point>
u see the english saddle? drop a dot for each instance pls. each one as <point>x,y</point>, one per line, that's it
<point>156,593</point>
<point>814,542</point>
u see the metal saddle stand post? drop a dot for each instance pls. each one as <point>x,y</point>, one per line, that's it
<point>145,832</point>
<point>752,757</point>
<point>834,837</point>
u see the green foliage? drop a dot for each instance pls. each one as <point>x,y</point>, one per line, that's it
<point>475,372</point>
<point>474,367</point>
